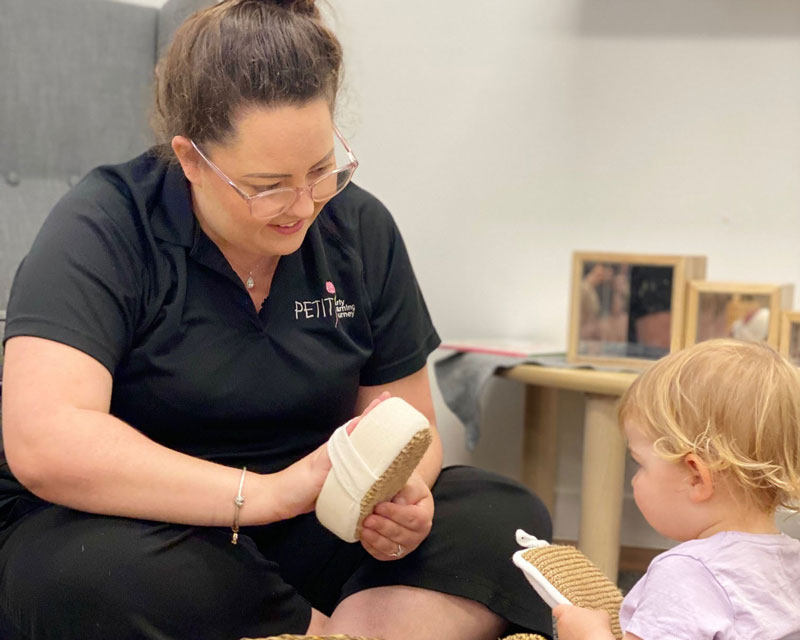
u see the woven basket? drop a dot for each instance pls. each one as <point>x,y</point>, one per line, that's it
<point>291,637</point>
<point>518,636</point>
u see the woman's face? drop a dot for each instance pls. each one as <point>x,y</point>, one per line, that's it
<point>286,146</point>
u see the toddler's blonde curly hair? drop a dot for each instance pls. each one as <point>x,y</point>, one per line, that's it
<point>736,405</point>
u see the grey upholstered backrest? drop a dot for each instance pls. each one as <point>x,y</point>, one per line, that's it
<point>170,17</point>
<point>75,90</point>
<point>76,78</point>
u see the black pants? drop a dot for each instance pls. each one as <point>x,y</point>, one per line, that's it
<point>66,574</point>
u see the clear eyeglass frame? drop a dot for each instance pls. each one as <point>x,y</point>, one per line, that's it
<point>272,203</point>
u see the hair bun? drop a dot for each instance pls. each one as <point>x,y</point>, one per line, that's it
<point>307,7</point>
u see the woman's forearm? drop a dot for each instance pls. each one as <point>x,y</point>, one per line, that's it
<point>94,462</point>
<point>64,446</point>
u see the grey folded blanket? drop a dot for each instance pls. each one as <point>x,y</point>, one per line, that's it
<point>462,376</point>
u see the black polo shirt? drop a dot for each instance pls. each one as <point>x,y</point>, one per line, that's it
<point>122,271</point>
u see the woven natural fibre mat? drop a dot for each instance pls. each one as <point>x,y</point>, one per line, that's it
<point>291,637</point>
<point>578,579</point>
<point>518,636</point>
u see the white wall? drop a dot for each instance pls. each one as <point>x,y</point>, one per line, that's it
<point>504,136</point>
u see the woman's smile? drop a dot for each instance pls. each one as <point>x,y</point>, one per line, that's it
<point>287,228</point>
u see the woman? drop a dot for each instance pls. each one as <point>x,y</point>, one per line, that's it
<point>199,320</point>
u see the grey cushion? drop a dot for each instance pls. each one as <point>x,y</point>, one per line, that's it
<point>77,86</point>
<point>76,80</point>
<point>23,208</point>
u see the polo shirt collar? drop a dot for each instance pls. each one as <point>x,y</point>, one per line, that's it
<point>204,251</point>
<point>174,220</point>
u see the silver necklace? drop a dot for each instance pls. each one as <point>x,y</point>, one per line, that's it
<point>250,282</point>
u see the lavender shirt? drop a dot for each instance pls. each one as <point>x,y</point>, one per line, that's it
<point>731,586</point>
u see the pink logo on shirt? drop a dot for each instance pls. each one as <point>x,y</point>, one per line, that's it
<point>329,287</point>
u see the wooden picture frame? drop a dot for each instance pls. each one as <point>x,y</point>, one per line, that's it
<point>789,340</point>
<point>627,309</point>
<point>735,309</point>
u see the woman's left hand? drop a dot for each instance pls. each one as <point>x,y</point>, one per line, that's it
<point>394,529</point>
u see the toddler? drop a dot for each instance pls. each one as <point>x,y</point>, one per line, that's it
<point>715,430</point>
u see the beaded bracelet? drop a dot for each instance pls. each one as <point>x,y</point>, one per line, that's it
<point>238,503</point>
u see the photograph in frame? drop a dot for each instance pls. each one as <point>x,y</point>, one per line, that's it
<point>742,311</point>
<point>789,342</point>
<point>627,309</point>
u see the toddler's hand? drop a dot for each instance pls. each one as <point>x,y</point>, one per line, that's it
<point>576,623</point>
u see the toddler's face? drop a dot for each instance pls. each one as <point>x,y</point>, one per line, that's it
<point>660,488</point>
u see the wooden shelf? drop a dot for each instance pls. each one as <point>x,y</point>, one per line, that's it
<point>610,383</point>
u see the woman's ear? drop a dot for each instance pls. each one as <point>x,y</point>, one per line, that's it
<point>188,157</point>
<point>701,483</point>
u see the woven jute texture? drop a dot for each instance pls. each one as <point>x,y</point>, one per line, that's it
<point>290,637</point>
<point>518,636</point>
<point>581,582</point>
<point>395,476</point>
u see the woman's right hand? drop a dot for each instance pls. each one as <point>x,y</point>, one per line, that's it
<point>299,485</point>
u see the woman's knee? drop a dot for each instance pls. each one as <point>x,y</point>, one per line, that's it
<point>71,575</point>
<point>476,495</point>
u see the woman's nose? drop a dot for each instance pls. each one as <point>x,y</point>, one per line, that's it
<point>303,205</point>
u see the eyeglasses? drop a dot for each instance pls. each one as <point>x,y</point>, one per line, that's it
<point>272,203</point>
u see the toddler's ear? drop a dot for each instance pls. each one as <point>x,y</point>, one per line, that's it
<point>701,484</point>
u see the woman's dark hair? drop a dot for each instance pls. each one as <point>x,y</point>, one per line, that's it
<point>237,54</point>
